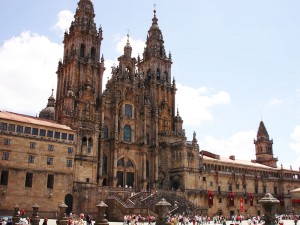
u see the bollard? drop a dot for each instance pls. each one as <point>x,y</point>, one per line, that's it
<point>16,216</point>
<point>162,210</point>
<point>269,204</point>
<point>100,219</point>
<point>35,218</point>
<point>62,218</point>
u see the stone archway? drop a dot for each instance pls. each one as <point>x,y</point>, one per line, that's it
<point>126,173</point>
<point>69,203</point>
<point>175,185</point>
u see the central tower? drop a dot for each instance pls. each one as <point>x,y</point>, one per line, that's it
<point>79,87</point>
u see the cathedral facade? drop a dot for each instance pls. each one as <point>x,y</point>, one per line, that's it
<point>128,140</point>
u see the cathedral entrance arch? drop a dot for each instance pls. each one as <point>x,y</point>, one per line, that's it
<point>69,203</point>
<point>125,173</point>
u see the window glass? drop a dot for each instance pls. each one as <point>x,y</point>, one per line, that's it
<point>105,132</point>
<point>19,129</point>
<point>70,150</point>
<point>32,145</point>
<point>50,181</point>
<point>42,132</point>
<point>71,137</point>
<point>49,161</point>
<point>27,130</point>
<point>6,141</point>
<point>64,136</point>
<point>5,156</point>
<point>50,133</point>
<point>4,177</point>
<point>57,135</point>
<point>127,133</point>
<point>28,181</point>
<point>128,111</point>
<point>35,131</point>
<point>31,158</point>
<point>50,147</point>
<point>3,126</point>
<point>69,163</point>
<point>11,127</point>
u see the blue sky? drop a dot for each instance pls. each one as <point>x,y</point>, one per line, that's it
<point>235,62</point>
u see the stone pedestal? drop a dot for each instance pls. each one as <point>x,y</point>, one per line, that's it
<point>62,218</point>
<point>162,209</point>
<point>100,218</point>
<point>16,216</point>
<point>35,218</point>
<point>269,204</point>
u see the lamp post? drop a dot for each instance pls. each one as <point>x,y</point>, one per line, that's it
<point>16,217</point>
<point>100,219</point>
<point>35,218</point>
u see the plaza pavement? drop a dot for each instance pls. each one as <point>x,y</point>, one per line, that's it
<point>244,222</point>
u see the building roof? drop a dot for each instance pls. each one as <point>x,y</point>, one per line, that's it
<point>31,120</point>
<point>237,162</point>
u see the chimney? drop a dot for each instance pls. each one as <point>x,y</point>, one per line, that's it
<point>232,157</point>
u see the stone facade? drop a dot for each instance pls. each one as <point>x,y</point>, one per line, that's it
<point>125,145</point>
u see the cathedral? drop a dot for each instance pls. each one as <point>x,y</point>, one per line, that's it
<point>125,145</point>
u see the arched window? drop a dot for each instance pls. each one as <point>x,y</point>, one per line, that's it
<point>93,54</point>
<point>127,133</point>
<point>82,50</point>
<point>128,111</point>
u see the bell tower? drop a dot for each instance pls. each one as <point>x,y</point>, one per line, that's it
<point>79,83</point>
<point>263,147</point>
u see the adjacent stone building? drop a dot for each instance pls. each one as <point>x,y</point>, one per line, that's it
<point>126,144</point>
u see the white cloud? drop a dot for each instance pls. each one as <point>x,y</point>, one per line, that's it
<point>295,146</point>
<point>275,101</point>
<point>239,144</point>
<point>28,72</point>
<point>198,103</point>
<point>65,18</point>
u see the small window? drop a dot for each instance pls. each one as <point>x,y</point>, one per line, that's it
<point>230,187</point>
<point>237,186</point>
<point>204,179</point>
<point>128,111</point>
<point>28,181</point>
<point>50,134</point>
<point>3,126</point>
<point>265,189</point>
<point>5,156</point>
<point>4,177</point>
<point>220,200</point>
<point>6,141</point>
<point>82,50</point>
<point>50,181</point>
<point>49,161</point>
<point>71,137</point>
<point>19,129</point>
<point>27,130</point>
<point>42,132</point>
<point>87,180</point>
<point>31,158</point>
<point>11,127</point>
<point>50,147</point>
<point>69,162</point>
<point>105,132</point>
<point>246,200</point>
<point>256,189</point>
<point>211,183</point>
<point>32,145</point>
<point>70,150</point>
<point>275,190</point>
<point>57,135</point>
<point>64,136</point>
<point>35,131</point>
<point>127,133</point>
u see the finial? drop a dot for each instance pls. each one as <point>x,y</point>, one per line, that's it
<point>128,36</point>
<point>52,91</point>
<point>177,111</point>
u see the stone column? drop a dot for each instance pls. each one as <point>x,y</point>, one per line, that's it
<point>16,216</point>
<point>269,204</point>
<point>162,209</point>
<point>100,218</point>
<point>62,218</point>
<point>35,218</point>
